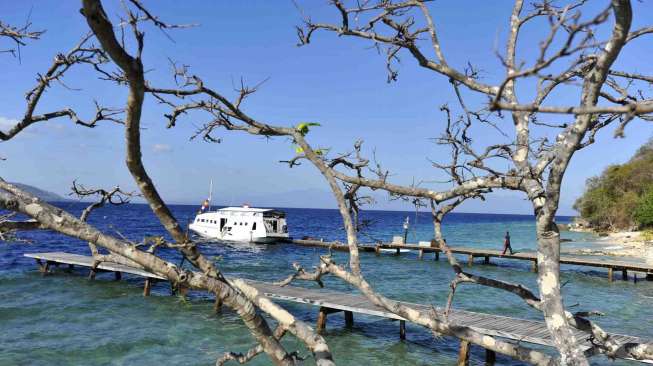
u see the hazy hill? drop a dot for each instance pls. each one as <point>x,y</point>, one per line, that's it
<point>44,195</point>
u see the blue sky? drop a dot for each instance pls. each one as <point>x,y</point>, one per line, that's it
<point>338,82</point>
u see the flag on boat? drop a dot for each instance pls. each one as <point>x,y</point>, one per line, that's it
<point>205,206</point>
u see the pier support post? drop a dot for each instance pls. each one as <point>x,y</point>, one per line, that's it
<point>91,274</point>
<point>421,254</point>
<point>649,276</point>
<point>147,288</point>
<point>470,260</point>
<point>182,291</point>
<point>490,357</point>
<point>487,259</point>
<point>437,255</point>
<point>398,252</point>
<point>402,330</point>
<point>321,319</point>
<point>118,276</point>
<point>349,319</point>
<point>534,266</point>
<point>377,250</point>
<point>610,274</point>
<point>463,354</point>
<point>44,268</point>
<point>70,268</point>
<point>217,305</point>
<point>624,274</point>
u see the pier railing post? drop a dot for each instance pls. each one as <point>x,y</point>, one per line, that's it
<point>463,354</point>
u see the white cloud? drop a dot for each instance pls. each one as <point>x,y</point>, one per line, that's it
<point>161,148</point>
<point>7,123</point>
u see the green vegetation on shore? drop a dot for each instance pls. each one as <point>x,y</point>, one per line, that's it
<point>622,196</point>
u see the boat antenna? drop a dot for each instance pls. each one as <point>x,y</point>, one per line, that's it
<point>210,193</point>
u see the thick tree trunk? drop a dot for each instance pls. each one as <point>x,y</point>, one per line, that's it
<point>548,265</point>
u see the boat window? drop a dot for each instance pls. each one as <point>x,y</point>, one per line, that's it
<point>254,226</point>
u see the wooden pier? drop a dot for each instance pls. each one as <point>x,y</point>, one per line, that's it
<point>612,265</point>
<point>329,302</point>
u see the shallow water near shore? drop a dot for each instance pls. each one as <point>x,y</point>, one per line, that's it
<point>65,319</point>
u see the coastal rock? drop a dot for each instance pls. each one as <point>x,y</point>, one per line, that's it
<point>579,224</point>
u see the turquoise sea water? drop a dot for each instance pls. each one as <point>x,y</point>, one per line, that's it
<point>65,319</point>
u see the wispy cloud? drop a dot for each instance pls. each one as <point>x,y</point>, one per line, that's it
<point>161,148</point>
<point>7,123</point>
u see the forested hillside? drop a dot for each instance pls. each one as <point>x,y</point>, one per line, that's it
<point>622,196</point>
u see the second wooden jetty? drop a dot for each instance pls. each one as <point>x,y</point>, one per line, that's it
<point>611,265</point>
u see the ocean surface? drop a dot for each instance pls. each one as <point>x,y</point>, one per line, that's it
<point>66,319</point>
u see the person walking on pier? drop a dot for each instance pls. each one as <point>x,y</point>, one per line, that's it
<point>506,244</point>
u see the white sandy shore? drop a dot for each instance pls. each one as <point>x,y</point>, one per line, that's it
<point>622,244</point>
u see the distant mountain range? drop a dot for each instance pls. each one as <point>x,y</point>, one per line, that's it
<point>44,195</point>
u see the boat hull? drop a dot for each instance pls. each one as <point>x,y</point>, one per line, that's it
<point>214,234</point>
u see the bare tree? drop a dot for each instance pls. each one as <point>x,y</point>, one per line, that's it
<point>233,292</point>
<point>397,28</point>
<point>537,164</point>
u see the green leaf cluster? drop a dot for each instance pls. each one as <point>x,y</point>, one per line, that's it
<point>622,196</point>
<point>304,127</point>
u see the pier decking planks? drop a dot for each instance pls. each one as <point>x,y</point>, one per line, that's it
<point>610,264</point>
<point>521,330</point>
<point>87,261</point>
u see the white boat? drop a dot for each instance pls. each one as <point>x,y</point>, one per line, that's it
<point>243,224</point>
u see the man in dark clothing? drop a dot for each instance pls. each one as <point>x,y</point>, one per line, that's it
<point>506,244</point>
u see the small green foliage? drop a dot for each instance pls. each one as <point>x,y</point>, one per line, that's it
<point>647,235</point>
<point>318,152</point>
<point>184,301</point>
<point>644,210</point>
<point>304,127</point>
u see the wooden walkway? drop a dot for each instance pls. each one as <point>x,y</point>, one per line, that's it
<point>473,253</point>
<point>515,329</point>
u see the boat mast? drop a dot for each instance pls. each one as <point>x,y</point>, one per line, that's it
<point>210,193</point>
